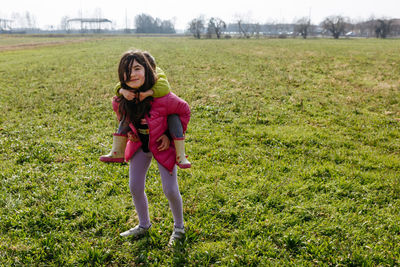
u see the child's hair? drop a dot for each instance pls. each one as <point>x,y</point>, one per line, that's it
<point>150,58</point>
<point>144,59</point>
<point>135,110</point>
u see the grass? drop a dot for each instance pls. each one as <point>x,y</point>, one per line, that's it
<point>294,144</point>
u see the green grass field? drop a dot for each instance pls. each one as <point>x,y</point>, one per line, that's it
<point>294,144</point>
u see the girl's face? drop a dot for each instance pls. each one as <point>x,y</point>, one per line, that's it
<point>137,76</point>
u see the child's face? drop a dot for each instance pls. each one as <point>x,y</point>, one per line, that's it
<point>137,76</point>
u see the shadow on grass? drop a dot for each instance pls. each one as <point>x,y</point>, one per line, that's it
<point>180,253</point>
<point>153,247</point>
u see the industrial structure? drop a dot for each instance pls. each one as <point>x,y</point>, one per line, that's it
<point>89,24</point>
<point>5,25</point>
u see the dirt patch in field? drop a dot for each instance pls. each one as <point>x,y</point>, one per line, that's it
<point>41,44</point>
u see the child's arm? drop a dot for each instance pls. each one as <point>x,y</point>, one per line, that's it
<point>160,88</point>
<point>127,94</point>
<point>117,89</point>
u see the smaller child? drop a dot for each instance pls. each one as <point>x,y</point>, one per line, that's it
<point>160,89</point>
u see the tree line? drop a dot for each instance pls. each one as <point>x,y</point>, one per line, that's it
<point>147,24</point>
<point>144,23</point>
<point>335,26</point>
<point>200,27</point>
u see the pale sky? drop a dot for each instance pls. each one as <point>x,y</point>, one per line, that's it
<point>50,12</point>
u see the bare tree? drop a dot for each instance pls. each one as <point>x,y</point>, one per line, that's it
<point>210,31</point>
<point>216,25</point>
<point>30,20</point>
<point>147,24</point>
<point>257,29</point>
<point>167,26</point>
<point>196,27</point>
<point>335,25</point>
<point>64,23</point>
<point>245,25</point>
<point>18,20</point>
<point>303,26</point>
<point>26,21</point>
<point>383,28</point>
<point>244,28</point>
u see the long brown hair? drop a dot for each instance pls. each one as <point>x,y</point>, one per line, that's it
<point>135,110</point>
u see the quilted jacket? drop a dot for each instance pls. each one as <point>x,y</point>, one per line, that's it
<point>157,120</point>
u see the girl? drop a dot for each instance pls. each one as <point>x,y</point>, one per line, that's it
<point>149,124</point>
<point>160,89</point>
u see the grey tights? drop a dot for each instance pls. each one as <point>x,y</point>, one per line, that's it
<point>138,168</point>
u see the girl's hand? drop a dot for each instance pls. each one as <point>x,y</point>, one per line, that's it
<point>164,142</point>
<point>145,94</point>
<point>127,94</point>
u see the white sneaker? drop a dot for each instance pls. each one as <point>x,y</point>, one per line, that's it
<point>177,234</point>
<point>136,232</point>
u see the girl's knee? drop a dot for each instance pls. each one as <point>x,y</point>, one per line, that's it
<point>172,193</point>
<point>175,126</point>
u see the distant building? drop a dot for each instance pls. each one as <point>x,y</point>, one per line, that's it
<point>368,28</point>
<point>89,24</point>
<point>396,27</point>
<point>5,25</point>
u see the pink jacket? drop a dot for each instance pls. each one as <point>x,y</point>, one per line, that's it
<point>157,120</point>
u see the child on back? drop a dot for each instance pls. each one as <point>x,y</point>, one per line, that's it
<point>160,89</point>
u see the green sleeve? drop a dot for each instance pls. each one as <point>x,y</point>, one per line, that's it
<point>161,87</point>
<point>116,88</point>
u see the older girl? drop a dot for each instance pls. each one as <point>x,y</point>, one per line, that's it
<point>149,138</point>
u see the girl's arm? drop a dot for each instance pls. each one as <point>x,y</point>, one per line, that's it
<point>160,88</point>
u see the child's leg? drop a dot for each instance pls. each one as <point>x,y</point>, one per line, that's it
<point>175,126</point>
<point>138,168</point>
<point>171,191</point>
<point>117,152</point>
<point>119,140</point>
<point>123,127</point>
<point>176,131</point>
